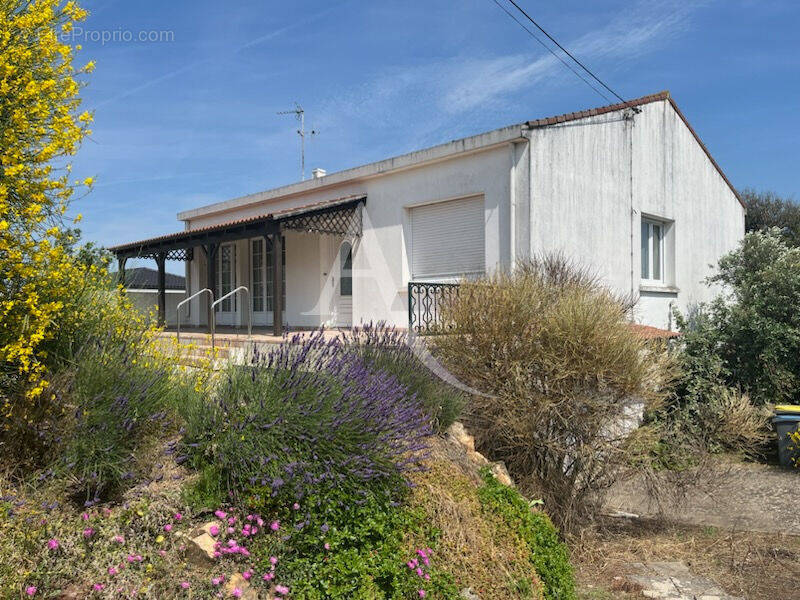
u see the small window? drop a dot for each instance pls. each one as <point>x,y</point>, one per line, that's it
<point>346,278</point>
<point>652,251</point>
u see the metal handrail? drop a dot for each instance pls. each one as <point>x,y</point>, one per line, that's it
<point>241,288</point>
<point>182,302</point>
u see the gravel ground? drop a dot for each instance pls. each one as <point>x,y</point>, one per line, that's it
<point>748,497</point>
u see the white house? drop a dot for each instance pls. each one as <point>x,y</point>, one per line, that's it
<point>629,190</point>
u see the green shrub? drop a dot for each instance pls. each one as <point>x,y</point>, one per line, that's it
<point>756,322</point>
<point>548,554</point>
<point>561,374</point>
<point>368,551</point>
<point>705,414</point>
<point>392,351</point>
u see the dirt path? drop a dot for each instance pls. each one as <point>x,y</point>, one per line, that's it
<point>748,497</point>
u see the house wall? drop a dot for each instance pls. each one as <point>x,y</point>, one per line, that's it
<point>580,187</point>
<point>381,255</point>
<point>591,181</point>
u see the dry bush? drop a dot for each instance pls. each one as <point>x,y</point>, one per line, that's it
<point>563,379</point>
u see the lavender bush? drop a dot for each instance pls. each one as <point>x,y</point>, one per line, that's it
<point>302,420</point>
<point>389,349</point>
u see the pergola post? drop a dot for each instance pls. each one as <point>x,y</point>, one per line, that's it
<point>211,276</point>
<point>161,261</point>
<point>121,260</point>
<point>277,283</point>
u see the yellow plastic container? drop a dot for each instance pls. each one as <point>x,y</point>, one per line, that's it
<point>783,409</point>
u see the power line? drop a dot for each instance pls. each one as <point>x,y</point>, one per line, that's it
<point>551,51</point>
<point>567,52</point>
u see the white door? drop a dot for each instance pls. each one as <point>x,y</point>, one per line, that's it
<point>258,278</point>
<point>345,287</point>
<point>226,282</point>
<point>261,273</point>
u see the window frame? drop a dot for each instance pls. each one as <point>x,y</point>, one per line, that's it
<point>647,247</point>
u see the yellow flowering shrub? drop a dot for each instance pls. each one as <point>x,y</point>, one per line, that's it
<point>40,128</point>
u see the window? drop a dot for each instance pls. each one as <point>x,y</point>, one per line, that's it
<point>227,277</point>
<point>652,251</point>
<point>269,274</point>
<point>346,276</point>
<point>257,274</point>
<point>448,239</point>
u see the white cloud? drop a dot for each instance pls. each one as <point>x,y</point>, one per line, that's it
<point>628,35</point>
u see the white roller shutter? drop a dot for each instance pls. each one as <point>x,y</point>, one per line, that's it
<point>447,239</point>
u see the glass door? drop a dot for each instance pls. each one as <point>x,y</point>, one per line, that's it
<point>226,282</point>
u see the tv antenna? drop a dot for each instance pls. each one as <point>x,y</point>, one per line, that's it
<point>300,115</point>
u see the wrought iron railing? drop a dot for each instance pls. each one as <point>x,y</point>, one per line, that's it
<point>425,301</point>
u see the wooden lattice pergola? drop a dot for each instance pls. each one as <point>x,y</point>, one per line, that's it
<point>341,216</point>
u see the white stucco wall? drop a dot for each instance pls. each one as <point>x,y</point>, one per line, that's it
<point>579,187</point>
<point>593,179</point>
<point>381,255</point>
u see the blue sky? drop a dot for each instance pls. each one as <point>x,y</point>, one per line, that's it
<point>191,121</point>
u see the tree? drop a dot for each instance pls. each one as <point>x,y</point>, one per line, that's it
<point>757,321</point>
<point>40,128</point>
<point>768,209</point>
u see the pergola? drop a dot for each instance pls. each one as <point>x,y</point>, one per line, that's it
<point>339,216</point>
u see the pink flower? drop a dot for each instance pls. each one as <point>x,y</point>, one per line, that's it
<point>213,530</point>
<point>113,570</point>
<point>236,593</point>
<point>88,532</point>
<point>30,590</point>
<point>421,593</point>
<point>98,587</point>
<point>427,577</point>
<point>53,544</point>
<point>185,585</point>
<point>327,546</point>
<point>216,580</point>
<point>220,514</point>
<point>231,520</point>
<point>247,575</point>
<point>250,517</point>
<point>162,552</point>
<point>230,530</point>
<point>85,516</point>
<point>178,516</point>
<point>281,589</point>
<point>167,527</point>
<point>134,558</point>
<point>268,576</point>
<point>273,560</point>
<point>275,525</point>
<point>296,506</point>
<point>106,511</point>
<point>419,571</point>
<point>260,522</point>
<point>118,539</point>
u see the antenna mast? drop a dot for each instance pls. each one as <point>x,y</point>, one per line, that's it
<point>300,115</point>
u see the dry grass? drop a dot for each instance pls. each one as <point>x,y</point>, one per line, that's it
<point>476,547</point>
<point>752,565</point>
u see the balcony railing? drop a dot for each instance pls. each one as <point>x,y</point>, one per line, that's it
<point>425,301</point>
